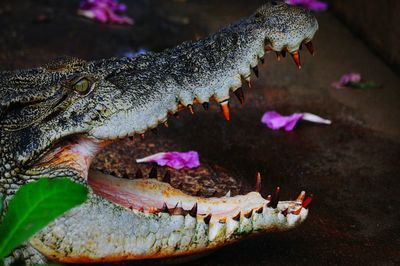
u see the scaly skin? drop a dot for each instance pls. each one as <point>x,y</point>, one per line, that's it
<point>56,118</point>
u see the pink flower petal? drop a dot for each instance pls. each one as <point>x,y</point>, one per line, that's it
<point>314,5</point>
<point>176,160</point>
<point>100,14</point>
<point>346,79</point>
<point>104,11</point>
<point>276,121</point>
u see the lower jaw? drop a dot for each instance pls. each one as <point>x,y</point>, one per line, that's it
<point>146,188</point>
<point>153,196</point>
<point>142,199</point>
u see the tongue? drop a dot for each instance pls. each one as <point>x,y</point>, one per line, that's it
<point>150,194</point>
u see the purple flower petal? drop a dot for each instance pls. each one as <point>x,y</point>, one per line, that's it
<point>100,14</point>
<point>277,121</point>
<point>176,160</point>
<point>104,11</point>
<point>314,5</point>
<point>346,79</point>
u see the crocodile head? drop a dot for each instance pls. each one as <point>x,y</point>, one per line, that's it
<point>55,119</point>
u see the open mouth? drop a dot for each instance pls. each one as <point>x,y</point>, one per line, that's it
<point>208,193</point>
<point>175,202</point>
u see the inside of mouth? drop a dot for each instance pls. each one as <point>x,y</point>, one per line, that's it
<point>208,180</point>
<point>115,176</point>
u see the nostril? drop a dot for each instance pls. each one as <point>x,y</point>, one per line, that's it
<point>274,3</point>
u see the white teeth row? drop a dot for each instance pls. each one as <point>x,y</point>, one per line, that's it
<point>146,119</point>
<point>269,219</point>
<point>220,229</point>
<point>186,98</point>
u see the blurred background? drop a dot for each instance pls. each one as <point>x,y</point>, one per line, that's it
<point>351,166</point>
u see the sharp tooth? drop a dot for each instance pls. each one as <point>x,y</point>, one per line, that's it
<point>228,195</point>
<point>278,56</point>
<point>296,58</point>
<point>152,210</point>
<point>206,105</point>
<point>275,199</point>
<point>300,198</point>
<point>225,109</point>
<point>164,208</point>
<point>237,217</point>
<point>297,212</point>
<point>167,177</point>
<point>310,47</point>
<point>248,215</point>
<point>191,110</point>
<point>166,124</point>
<point>255,70</point>
<point>307,202</point>
<point>207,219</point>
<point>258,182</point>
<point>248,81</point>
<point>139,174</point>
<point>153,172</point>
<point>193,211</point>
<point>240,95</point>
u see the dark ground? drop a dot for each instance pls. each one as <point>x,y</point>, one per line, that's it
<point>352,167</point>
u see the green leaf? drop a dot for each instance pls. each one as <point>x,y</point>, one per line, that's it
<point>365,85</point>
<point>34,206</point>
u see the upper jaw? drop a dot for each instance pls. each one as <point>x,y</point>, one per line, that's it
<point>101,231</point>
<point>152,87</point>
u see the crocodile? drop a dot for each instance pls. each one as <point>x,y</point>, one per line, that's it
<point>55,119</point>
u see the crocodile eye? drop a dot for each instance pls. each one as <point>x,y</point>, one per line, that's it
<point>82,86</point>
